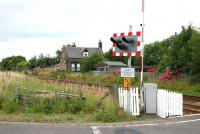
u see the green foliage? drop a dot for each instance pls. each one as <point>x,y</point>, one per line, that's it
<point>43,61</point>
<point>195,57</point>
<point>186,88</point>
<point>109,114</point>
<point>11,63</point>
<point>152,54</point>
<point>30,105</point>
<point>180,52</point>
<point>24,65</point>
<point>164,63</point>
<point>44,105</point>
<point>10,106</point>
<point>89,63</point>
<point>2,99</point>
<point>108,56</point>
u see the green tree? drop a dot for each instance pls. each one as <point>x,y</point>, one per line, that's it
<point>10,63</point>
<point>195,57</point>
<point>33,62</point>
<point>180,52</point>
<point>152,54</point>
<point>24,65</point>
<point>89,63</point>
<point>58,55</point>
<point>108,56</point>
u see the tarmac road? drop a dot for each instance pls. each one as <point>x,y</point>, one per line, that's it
<point>182,125</point>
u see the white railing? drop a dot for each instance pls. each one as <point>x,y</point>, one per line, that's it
<point>169,103</point>
<point>129,100</point>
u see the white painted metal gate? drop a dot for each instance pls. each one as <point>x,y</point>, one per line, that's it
<point>129,100</point>
<point>169,103</point>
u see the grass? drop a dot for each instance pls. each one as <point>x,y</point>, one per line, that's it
<point>20,101</point>
<point>184,87</point>
<point>42,117</point>
<point>87,77</point>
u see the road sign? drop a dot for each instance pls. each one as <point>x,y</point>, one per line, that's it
<point>127,72</point>
<point>127,83</point>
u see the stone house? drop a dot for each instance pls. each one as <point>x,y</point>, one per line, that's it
<point>72,55</point>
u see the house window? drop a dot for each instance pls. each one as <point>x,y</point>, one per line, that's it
<point>78,67</point>
<point>85,54</point>
<point>73,67</point>
<point>101,68</point>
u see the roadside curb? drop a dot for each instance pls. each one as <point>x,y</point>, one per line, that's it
<point>115,124</point>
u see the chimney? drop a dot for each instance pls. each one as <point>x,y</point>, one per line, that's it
<point>73,44</point>
<point>100,44</point>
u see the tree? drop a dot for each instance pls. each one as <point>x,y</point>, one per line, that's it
<point>58,55</point>
<point>108,56</point>
<point>33,62</point>
<point>24,65</point>
<point>10,63</point>
<point>89,63</point>
<point>180,52</point>
<point>195,57</point>
<point>152,54</point>
<point>43,61</point>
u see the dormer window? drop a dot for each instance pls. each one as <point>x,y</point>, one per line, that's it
<point>84,52</point>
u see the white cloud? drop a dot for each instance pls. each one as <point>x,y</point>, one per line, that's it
<point>46,25</point>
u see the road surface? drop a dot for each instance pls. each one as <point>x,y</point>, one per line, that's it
<point>183,125</point>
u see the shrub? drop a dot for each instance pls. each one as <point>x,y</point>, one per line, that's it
<point>76,105</point>
<point>2,99</point>
<point>48,106</point>
<point>10,106</point>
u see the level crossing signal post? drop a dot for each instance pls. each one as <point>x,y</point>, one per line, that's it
<point>127,45</point>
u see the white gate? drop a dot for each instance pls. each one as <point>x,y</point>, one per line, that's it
<point>169,103</point>
<point>129,100</point>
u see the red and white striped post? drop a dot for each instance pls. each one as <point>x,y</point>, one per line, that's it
<point>142,58</point>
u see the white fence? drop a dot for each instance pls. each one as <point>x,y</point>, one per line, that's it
<point>129,100</point>
<point>169,103</point>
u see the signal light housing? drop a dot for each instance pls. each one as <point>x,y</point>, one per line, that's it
<point>126,45</point>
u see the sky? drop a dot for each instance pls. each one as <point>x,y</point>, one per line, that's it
<point>31,27</point>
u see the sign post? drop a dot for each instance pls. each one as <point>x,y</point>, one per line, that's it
<point>127,74</point>
<point>127,83</point>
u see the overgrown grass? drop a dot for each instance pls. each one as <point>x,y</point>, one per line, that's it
<point>184,87</point>
<point>20,101</point>
<point>87,77</point>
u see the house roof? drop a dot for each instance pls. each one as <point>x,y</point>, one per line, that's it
<point>114,63</point>
<point>76,52</point>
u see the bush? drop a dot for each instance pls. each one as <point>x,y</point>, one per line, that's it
<point>108,116</point>
<point>10,106</point>
<point>2,99</point>
<point>48,106</point>
<point>76,105</point>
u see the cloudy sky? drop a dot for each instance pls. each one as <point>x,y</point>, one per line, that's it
<point>31,27</point>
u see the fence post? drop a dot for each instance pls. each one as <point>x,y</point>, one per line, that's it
<point>115,95</point>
